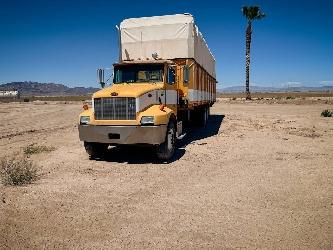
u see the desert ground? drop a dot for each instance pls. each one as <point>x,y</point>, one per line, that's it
<point>260,175</point>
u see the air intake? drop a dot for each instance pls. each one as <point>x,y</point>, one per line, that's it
<point>115,108</point>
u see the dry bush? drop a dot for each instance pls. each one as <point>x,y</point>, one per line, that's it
<point>36,149</point>
<point>17,171</point>
<point>327,113</point>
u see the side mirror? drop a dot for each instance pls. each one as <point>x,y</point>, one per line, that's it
<point>117,76</point>
<point>171,75</point>
<point>100,76</point>
<point>186,74</point>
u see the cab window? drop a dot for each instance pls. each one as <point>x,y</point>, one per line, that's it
<point>139,73</point>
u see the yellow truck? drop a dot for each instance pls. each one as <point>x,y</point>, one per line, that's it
<point>165,79</point>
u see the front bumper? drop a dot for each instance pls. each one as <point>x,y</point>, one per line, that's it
<point>123,134</point>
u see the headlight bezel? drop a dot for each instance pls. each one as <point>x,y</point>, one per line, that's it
<point>147,120</point>
<point>84,120</point>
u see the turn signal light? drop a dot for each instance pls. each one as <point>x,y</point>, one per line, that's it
<point>162,106</point>
<point>85,106</point>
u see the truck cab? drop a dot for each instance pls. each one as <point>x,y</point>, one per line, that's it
<point>139,108</point>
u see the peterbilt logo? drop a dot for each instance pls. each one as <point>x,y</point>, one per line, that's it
<point>114,94</point>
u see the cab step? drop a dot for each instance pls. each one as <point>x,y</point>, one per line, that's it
<point>181,136</point>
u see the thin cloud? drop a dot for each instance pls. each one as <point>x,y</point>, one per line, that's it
<point>292,84</point>
<point>328,82</point>
<point>289,84</point>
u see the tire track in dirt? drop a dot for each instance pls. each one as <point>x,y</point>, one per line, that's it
<point>30,131</point>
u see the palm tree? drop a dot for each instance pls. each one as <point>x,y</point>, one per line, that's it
<point>251,13</point>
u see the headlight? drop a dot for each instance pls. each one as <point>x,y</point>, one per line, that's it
<point>84,119</point>
<point>147,120</point>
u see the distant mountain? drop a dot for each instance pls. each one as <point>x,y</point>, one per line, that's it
<point>55,89</point>
<point>46,89</point>
<point>234,89</point>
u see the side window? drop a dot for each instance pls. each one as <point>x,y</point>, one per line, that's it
<point>118,76</point>
<point>171,75</point>
<point>186,74</point>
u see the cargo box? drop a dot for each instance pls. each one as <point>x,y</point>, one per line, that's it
<point>165,37</point>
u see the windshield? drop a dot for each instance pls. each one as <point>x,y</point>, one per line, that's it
<point>138,73</point>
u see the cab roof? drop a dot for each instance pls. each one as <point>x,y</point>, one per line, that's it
<point>159,61</point>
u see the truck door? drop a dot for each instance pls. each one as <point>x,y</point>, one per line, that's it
<point>171,91</point>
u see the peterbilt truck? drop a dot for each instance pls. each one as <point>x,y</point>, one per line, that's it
<point>164,80</point>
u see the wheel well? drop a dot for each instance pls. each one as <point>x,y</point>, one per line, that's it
<point>173,119</point>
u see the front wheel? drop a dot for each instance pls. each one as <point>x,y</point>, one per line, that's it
<point>166,150</point>
<point>95,149</point>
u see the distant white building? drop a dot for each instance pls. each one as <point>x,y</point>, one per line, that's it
<point>9,94</point>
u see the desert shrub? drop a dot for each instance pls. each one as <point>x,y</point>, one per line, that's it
<point>36,149</point>
<point>16,171</point>
<point>26,100</point>
<point>327,113</point>
<point>290,97</point>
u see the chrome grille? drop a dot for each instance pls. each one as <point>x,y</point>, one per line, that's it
<point>115,108</point>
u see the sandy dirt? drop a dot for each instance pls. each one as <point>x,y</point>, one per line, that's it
<point>258,176</point>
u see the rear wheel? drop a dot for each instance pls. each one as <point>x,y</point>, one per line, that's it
<point>166,150</point>
<point>203,116</point>
<point>95,149</point>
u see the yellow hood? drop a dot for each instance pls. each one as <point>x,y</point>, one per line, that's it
<point>128,89</point>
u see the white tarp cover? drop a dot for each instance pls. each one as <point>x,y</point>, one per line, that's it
<point>170,36</point>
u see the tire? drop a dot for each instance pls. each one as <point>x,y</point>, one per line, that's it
<point>95,149</point>
<point>203,117</point>
<point>166,150</point>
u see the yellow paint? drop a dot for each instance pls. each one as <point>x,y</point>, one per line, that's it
<point>128,89</point>
<point>160,117</point>
<point>86,113</point>
<point>181,85</point>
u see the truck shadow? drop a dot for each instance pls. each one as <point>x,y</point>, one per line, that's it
<point>143,155</point>
<point>198,133</point>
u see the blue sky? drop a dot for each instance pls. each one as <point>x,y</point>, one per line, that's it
<point>66,41</point>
